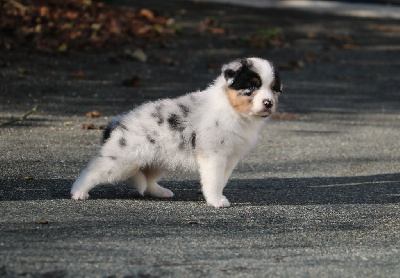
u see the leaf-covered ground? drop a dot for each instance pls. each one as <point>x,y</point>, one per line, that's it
<point>78,25</point>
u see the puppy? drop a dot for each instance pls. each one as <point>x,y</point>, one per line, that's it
<point>208,131</point>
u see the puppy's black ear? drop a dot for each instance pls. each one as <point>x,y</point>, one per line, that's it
<point>229,73</point>
<point>230,70</point>
<point>277,80</point>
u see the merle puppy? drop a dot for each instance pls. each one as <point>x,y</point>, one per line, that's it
<point>207,131</point>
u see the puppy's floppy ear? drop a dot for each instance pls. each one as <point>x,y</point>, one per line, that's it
<point>229,73</point>
<point>277,87</point>
<point>230,70</point>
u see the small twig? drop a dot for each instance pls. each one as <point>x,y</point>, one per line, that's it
<point>33,110</point>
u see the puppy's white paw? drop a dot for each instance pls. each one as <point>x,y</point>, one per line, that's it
<point>160,192</point>
<point>219,203</point>
<point>79,195</point>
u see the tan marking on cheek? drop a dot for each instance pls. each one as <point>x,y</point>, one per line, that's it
<point>240,103</point>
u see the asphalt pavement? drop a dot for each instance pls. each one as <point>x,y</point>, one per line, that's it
<point>318,197</point>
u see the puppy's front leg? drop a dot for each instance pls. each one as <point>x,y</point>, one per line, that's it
<point>212,174</point>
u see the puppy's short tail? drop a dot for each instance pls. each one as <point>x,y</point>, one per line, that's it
<point>107,132</point>
<point>110,127</point>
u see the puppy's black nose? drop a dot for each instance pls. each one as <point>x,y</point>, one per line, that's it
<point>268,103</point>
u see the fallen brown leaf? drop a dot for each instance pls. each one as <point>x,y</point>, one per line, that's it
<point>340,39</point>
<point>144,29</point>
<point>310,58</point>
<point>166,60</point>
<point>91,126</point>
<point>93,114</point>
<point>147,14</point>
<point>216,31</point>
<point>211,25</point>
<point>42,221</point>
<point>344,42</point>
<point>349,46</point>
<point>385,28</point>
<point>78,74</point>
<point>22,71</point>
<point>311,35</point>
<point>134,81</point>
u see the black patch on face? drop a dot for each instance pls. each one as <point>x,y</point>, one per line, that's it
<point>185,110</point>
<point>158,115</point>
<point>193,140</point>
<point>150,139</point>
<point>222,142</point>
<point>277,87</point>
<point>122,142</point>
<point>175,123</point>
<point>244,77</point>
<point>216,123</point>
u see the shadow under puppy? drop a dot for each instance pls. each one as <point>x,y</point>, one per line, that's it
<point>208,131</point>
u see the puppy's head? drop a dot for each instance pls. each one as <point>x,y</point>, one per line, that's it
<point>252,86</point>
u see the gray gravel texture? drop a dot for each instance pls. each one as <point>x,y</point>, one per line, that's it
<point>318,197</point>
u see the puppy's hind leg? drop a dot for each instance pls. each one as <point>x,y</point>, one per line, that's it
<point>101,169</point>
<point>140,182</point>
<point>145,182</point>
<point>153,189</point>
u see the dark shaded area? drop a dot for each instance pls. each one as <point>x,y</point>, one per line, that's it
<point>376,189</point>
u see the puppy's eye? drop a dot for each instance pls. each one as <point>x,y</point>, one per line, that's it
<point>249,91</point>
<point>252,88</point>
